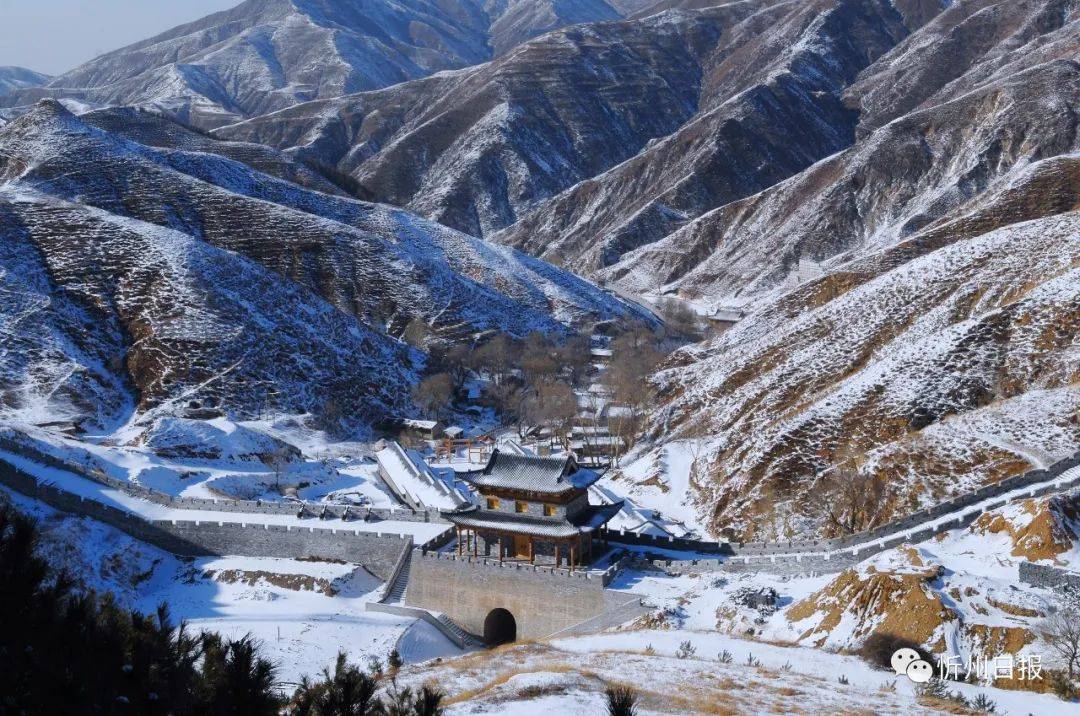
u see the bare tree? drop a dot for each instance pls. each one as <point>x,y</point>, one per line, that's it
<point>696,436</point>
<point>555,407</point>
<point>681,319</point>
<point>417,333</point>
<point>454,361</point>
<point>433,394</point>
<point>538,357</point>
<point>573,357</point>
<point>496,357</point>
<point>1061,632</point>
<point>850,501</point>
<point>510,399</point>
<point>278,461</point>
<point>634,357</point>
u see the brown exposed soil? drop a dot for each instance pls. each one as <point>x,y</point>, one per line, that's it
<point>295,582</point>
<point>1044,536</point>
<point>900,605</point>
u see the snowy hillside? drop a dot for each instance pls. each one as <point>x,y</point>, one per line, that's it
<point>145,245</point>
<point>479,148</point>
<point>932,375</point>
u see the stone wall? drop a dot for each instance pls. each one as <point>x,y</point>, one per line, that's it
<point>1031,478</point>
<point>276,507</point>
<point>376,551</point>
<point>1041,575</point>
<point>543,601</point>
<point>834,555</point>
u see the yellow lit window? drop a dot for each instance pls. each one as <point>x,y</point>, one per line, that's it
<point>549,510</point>
<point>521,507</point>
<point>493,503</point>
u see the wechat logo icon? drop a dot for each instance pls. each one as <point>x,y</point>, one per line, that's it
<point>908,663</point>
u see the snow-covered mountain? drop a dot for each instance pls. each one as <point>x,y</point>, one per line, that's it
<point>158,269</point>
<point>15,78</point>
<point>479,148</point>
<point>933,347</point>
<point>868,178</point>
<point>265,55</point>
<point>949,146</point>
<point>564,146</point>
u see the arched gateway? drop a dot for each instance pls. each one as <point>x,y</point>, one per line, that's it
<point>520,568</point>
<point>500,627</point>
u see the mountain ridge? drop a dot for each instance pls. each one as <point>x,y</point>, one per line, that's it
<point>265,55</point>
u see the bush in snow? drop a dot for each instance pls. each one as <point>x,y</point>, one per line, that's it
<point>405,702</point>
<point>685,650</point>
<point>621,701</point>
<point>394,660</point>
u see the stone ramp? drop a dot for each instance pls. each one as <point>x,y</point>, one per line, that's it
<point>460,638</point>
<point>624,608</point>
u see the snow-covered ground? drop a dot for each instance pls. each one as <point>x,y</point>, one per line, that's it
<point>305,612</point>
<point>658,481</point>
<point>420,531</point>
<point>281,602</point>
<point>568,676</point>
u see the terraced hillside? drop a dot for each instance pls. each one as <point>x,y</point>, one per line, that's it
<point>167,273</point>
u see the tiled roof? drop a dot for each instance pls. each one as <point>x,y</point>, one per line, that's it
<point>587,520</point>
<point>551,475</point>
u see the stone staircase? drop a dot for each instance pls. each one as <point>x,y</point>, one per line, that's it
<point>396,593</point>
<point>465,637</point>
<point>393,602</point>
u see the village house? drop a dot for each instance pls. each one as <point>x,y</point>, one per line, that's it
<point>532,509</point>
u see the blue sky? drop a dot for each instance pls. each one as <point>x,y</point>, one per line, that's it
<point>56,35</point>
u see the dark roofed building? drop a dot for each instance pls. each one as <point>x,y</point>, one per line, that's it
<point>532,508</point>
<point>542,475</point>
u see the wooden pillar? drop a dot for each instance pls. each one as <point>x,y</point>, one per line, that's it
<point>502,550</point>
<point>571,555</point>
<point>558,563</point>
<point>459,541</point>
<point>532,552</point>
<point>475,543</point>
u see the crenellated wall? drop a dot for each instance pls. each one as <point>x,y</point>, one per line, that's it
<point>834,555</point>
<point>378,552</point>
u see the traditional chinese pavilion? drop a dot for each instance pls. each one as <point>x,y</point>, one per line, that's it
<point>532,508</point>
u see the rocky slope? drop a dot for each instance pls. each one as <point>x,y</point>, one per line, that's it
<point>208,284</point>
<point>957,149</point>
<point>957,593</point>
<point>937,349</point>
<point>772,105</point>
<point>596,139</point>
<point>265,55</point>
<point>931,367</point>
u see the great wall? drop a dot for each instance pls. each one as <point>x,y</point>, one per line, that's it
<point>454,592</point>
